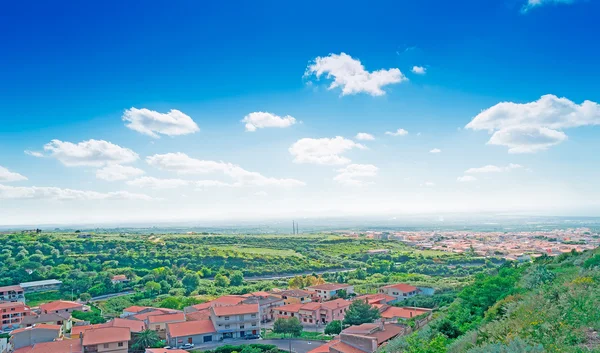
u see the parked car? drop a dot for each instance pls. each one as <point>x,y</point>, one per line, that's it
<point>187,346</point>
<point>251,337</point>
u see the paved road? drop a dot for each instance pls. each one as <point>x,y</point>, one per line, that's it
<point>298,346</point>
<point>292,275</point>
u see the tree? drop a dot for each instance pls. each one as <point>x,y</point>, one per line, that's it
<point>152,287</point>
<point>333,328</point>
<point>85,297</point>
<point>291,326</point>
<point>360,312</point>
<point>236,278</point>
<point>190,281</point>
<point>145,339</point>
<point>221,280</point>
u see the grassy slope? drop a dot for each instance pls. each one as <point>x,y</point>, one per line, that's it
<point>553,307</point>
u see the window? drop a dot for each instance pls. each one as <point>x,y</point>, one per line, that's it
<point>106,345</point>
<point>157,327</point>
<point>226,317</point>
<point>227,326</point>
<point>241,317</point>
<point>120,344</point>
<point>253,315</point>
<point>254,324</point>
<point>241,327</point>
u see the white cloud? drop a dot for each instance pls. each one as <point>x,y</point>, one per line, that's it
<point>350,75</point>
<point>261,194</point>
<point>213,183</point>
<point>54,193</point>
<point>156,183</point>
<point>419,70</point>
<point>493,169</point>
<point>466,179</point>
<point>537,3</point>
<point>34,154</point>
<point>534,126</point>
<point>260,120</point>
<point>353,174</point>
<point>114,172</point>
<point>428,184</point>
<point>399,132</point>
<point>95,153</point>
<point>363,136</point>
<point>181,163</point>
<point>153,123</point>
<point>435,150</point>
<point>323,150</point>
<point>8,176</point>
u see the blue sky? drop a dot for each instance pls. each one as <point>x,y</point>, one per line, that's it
<point>69,72</point>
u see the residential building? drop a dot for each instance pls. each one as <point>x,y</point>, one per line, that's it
<point>39,286</point>
<point>159,323</point>
<point>224,300</point>
<point>294,296</point>
<point>29,336</point>
<point>266,302</point>
<point>327,291</point>
<point>12,315</point>
<point>194,332</point>
<point>132,310</point>
<point>64,346</point>
<point>400,291</point>
<point>134,326</point>
<point>3,345</point>
<point>393,314</point>
<point>376,298</point>
<point>12,294</point>
<point>119,279</point>
<point>62,307</point>
<point>236,321</point>
<point>314,313</point>
<point>365,338</point>
<point>63,319</point>
<point>106,339</point>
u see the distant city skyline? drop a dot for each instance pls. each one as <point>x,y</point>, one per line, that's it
<point>113,112</point>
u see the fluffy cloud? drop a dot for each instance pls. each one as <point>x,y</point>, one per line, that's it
<point>493,169</point>
<point>419,70</point>
<point>152,123</point>
<point>95,153</point>
<point>260,120</point>
<point>466,179</point>
<point>181,163</point>
<point>350,75</point>
<point>363,136</point>
<point>531,4</point>
<point>116,172</point>
<point>8,176</point>
<point>399,132</point>
<point>54,193</point>
<point>534,126</point>
<point>34,153</point>
<point>156,183</point>
<point>353,174</point>
<point>323,150</point>
<point>435,150</point>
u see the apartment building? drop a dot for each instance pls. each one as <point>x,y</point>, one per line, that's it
<point>314,313</point>
<point>106,340</point>
<point>12,294</point>
<point>294,296</point>
<point>12,315</point>
<point>159,323</point>
<point>235,321</point>
<point>194,332</point>
<point>62,307</point>
<point>327,291</point>
<point>267,303</point>
<point>29,336</point>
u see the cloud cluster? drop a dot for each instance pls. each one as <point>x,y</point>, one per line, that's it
<point>466,179</point>
<point>493,169</point>
<point>160,183</point>
<point>353,174</point>
<point>399,132</point>
<point>115,172</point>
<point>534,126</point>
<point>93,153</point>
<point>8,176</point>
<point>419,70</point>
<point>363,136</point>
<point>153,123</point>
<point>327,151</point>
<point>350,75</point>
<point>181,163</point>
<point>435,150</point>
<point>54,193</point>
<point>531,4</point>
<point>261,120</point>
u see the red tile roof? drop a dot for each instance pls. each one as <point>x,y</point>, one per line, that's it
<point>190,328</point>
<point>198,315</point>
<point>405,313</point>
<point>334,304</point>
<point>39,327</point>
<point>135,309</point>
<point>166,318</point>
<point>403,287</point>
<point>144,316</point>
<point>376,298</point>
<point>133,325</point>
<point>324,348</point>
<point>119,278</point>
<point>226,299</point>
<point>238,309</point>
<point>162,350</point>
<point>291,308</point>
<point>60,305</point>
<point>64,346</point>
<point>11,288</point>
<point>346,348</point>
<point>102,335</point>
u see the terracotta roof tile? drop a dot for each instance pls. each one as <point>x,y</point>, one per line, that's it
<point>238,309</point>
<point>324,348</point>
<point>166,318</point>
<point>401,287</point>
<point>102,335</point>
<point>38,327</point>
<point>60,305</point>
<point>329,286</point>
<point>64,346</point>
<point>190,328</point>
<point>346,348</point>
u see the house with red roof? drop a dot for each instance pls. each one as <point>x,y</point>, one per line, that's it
<point>314,313</point>
<point>236,321</point>
<point>400,291</point>
<point>394,314</point>
<point>62,307</point>
<point>12,294</point>
<point>106,340</point>
<point>327,291</point>
<point>159,322</point>
<point>365,338</point>
<point>29,336</point>
<point>194,332</point>
<point>13,314</point>
<point>64,346</point>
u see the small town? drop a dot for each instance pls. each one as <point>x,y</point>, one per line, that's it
<point>51,327</point>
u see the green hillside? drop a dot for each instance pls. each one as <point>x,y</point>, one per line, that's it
<point>551,305</point>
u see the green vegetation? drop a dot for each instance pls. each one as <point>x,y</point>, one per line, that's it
<point>94,316</point>
<point>246,348</point>
<point>548,306</point>
<point>333,328</point>
<point>360,312</point>
<point>304,335</point>
<point>291,327</point>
